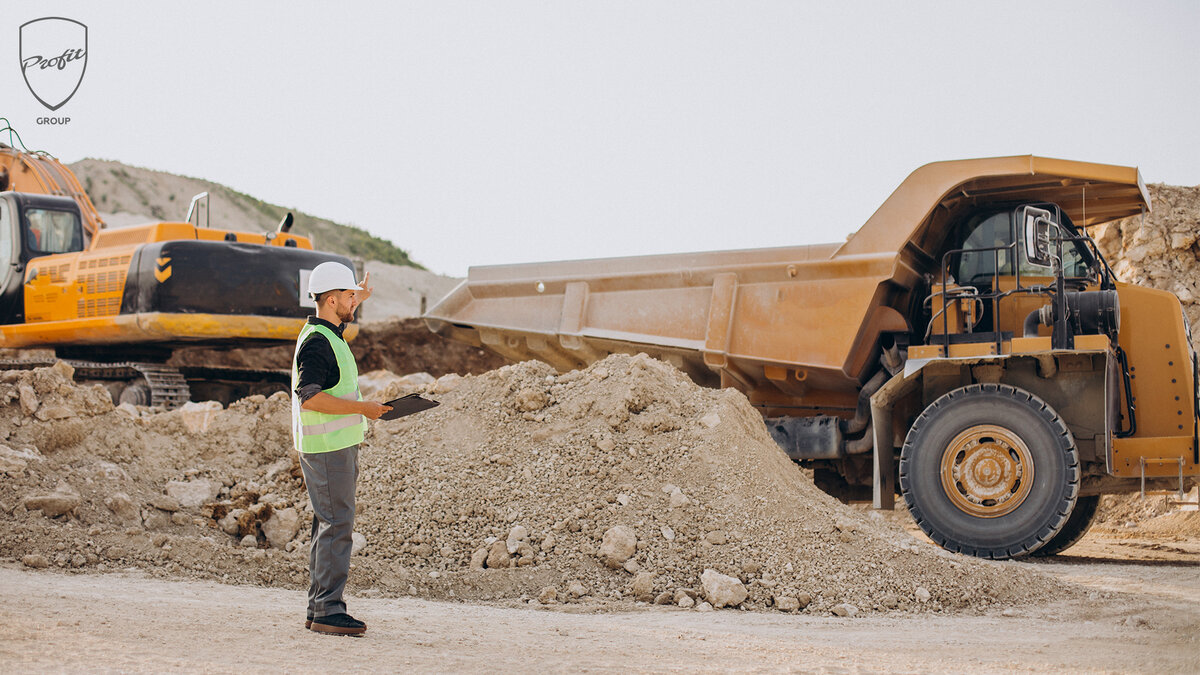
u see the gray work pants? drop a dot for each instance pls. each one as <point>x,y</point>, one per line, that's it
<point>330,477</point>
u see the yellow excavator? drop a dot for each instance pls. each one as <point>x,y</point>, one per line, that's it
<point>116,303</point>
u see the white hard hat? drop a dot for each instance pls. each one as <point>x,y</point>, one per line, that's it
<point>331,276</point>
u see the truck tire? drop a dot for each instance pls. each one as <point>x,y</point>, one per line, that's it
<point>990,470</point>
<point>1082,517</point>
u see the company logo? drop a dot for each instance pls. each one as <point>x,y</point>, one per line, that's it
<point>53,58</point>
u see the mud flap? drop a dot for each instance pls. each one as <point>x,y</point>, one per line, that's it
<point>883,461</point>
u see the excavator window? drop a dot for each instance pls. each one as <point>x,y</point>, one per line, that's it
<point>49,231</point>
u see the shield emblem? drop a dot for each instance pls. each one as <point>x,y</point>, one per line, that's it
<point>53,58</point>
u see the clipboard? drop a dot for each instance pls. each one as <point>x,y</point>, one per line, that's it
<point>407,405</point>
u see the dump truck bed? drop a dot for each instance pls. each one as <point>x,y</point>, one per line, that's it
<point>699,311</point>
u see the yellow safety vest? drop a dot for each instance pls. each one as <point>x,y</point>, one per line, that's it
<point>319,432</point>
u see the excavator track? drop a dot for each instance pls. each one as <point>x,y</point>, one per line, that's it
<point>167,386</point>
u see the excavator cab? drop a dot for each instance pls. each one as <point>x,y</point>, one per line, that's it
<point>48,230</point>
<point>32,226</point>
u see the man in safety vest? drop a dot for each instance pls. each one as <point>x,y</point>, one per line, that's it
<point>329,420</point>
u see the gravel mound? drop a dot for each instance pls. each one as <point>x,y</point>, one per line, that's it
<point>623,482</point>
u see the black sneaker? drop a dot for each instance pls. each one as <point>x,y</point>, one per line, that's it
<point>338,624</point>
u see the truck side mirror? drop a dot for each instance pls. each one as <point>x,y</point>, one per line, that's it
<point>1037,235</point>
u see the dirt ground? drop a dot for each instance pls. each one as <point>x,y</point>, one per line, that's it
<point>1140,617</point>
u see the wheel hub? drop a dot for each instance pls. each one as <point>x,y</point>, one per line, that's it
<point>987,471</point>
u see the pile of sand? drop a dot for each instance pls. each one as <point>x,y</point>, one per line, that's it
<point>621,482</point>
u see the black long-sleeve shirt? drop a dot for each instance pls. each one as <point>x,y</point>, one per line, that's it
<point>316,362</point>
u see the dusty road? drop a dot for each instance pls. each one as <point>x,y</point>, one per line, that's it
<point>1143,618</point>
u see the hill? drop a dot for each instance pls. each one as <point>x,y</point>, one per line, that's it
<point>127,195</point>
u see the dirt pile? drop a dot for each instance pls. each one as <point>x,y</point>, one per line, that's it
<point>1161,515</point>
<point>1160,249</point>
<point>622,482</point>
<point>627,479</point>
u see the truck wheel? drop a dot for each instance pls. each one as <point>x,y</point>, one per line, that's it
<point>990,470</point>
<point>1082,517</point>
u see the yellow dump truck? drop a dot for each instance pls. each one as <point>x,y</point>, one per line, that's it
<point>969,347</point>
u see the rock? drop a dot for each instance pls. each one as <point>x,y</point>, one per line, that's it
<point>643,587</point>
<point>124,508</point>
<point>516,536</point>
<point>129,409</point>
<point>447,383</point>
<point>704,607</point>
<point>279,467</point>
<point>282,527</point>
<point>606,444</point>
<point>54,412</point>
<point>423,550</point>
<point>667,533</point>
<point>678,499</point>
<point>248,541</point>
<point>664,598</point>
<point>845,609</point>
<point>358,543</point>
<point>231,523</point>
<point>498,556</point>
<point>804,598</point>
<point>417,380</point>
<point>786,603</point>
<point>722,590</point>
<point>164,503</point>
<point>29,399</point>
<point>479,558</point>
<point>197,417</point>
<point>680,593</point>
<point>192,494</point>
<point>631,566</point>
<point>548,595</point>
<point>684,600</point>
<point>922,594</point>
<point>110,471</point>
<point>576,589</point>
<point>180,518</point>
<point>52,504</point>
<point>35,560</point>
<point>716,538</point>
<point>13,462</point>
<point>531,400</point>
<point>156,520</point>
<point>710,420</point>
<point>618,545</point>
<point>890,601</point>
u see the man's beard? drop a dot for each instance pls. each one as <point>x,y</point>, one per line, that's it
<point>346,316</point>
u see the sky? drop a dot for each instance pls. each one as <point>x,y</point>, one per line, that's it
<point>484,133</point>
